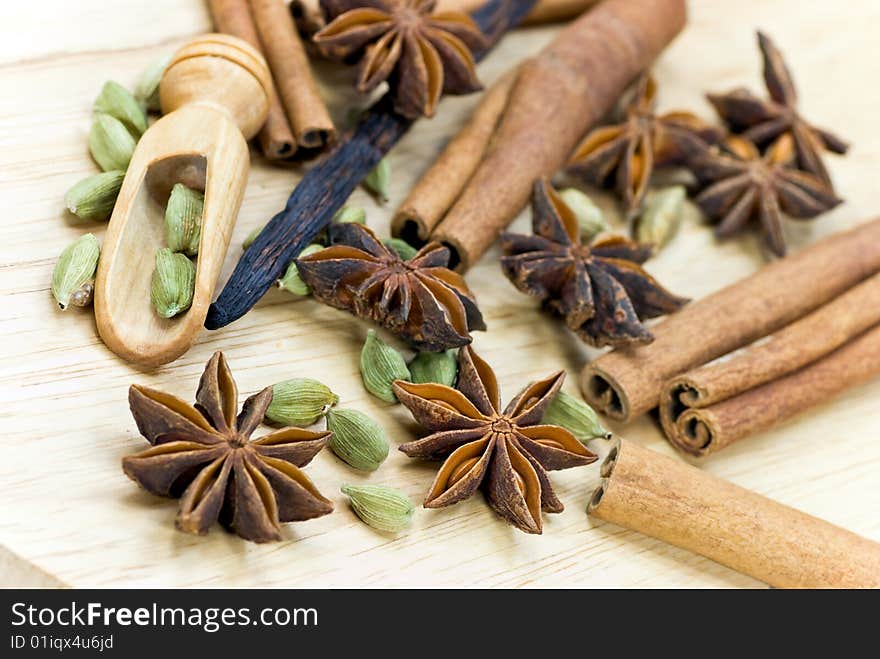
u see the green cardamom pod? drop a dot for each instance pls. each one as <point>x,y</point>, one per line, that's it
<point>661,218</point>
<point>300,402</point>
<point>379,180</point>
<point>350,215</point>
<point>252,236</point>
<point>118,102</point>
<point>357,439</point>
<point>74,274</point>
<point>576,416</point>
<point>147,89</point>
<point>438,367</point>
<point>381,365</point>
<point>591,220</point>
<point>94,197</point>
<point>173,284</point>
<point>183,219</point>
<point>291,281</point>
<point>381,507</point>
<point>404,249</point>
<point>110,143</point>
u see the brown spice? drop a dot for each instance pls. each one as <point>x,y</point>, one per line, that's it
<point>203,455</point>
<point>626,384</point>
<point>234,17</point>
<point>600,289</point>
<point>689,508</point>
<point>292,74</point>
<point>506,453</point>
<point>764,120</point>
<point>560,94</point>
<point>419,299</point>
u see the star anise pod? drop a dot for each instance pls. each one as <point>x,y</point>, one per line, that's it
<point>763,120</point>
<point>507,453</point>
<point>624,156</point>
<point>600,289</point>
<point>421,53</point>
<point>744,186</point>
<point>202,454</point>
<point>420,299</point>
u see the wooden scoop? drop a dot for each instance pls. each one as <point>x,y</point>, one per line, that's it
<point>215,95</point>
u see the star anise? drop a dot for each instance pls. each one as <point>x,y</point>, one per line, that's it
<point>507,453</point>
<point>763,120</point>
<point>624,156</point>
<point>600,289</point>
<point>202,454</point>
<point>420,299</point>
<point>745,186</point>
<point>421,53</point>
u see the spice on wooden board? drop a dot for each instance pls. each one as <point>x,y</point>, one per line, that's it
<point>690,508</point>
<point>325,187</point>
<point>507,453</point>
<point>600,289</point>
<point>764,120</point>
<point>626,384</point>
<point>419,300</point>
<point>203,455</point>
<point>420,53</point>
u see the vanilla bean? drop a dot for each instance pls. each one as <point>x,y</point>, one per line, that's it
<point>326,187</point>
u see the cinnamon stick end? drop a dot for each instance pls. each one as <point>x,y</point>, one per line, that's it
<point>409,225</point>
<point>602,392</point>
<point>316,137</point>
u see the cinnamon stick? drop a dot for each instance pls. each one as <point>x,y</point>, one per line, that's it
<point>689,508</point>
<point>627,383</point>
<point>306,112</point>
<point>704,430</point>
<point>557,97</point>
<point>234,17</point>
<point>440,186</point>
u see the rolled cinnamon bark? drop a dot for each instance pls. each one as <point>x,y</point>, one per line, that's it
<point>557,97</point>
<point>627,383</point>
<point>704,430</point>
<point>234,17</point>
<point>689,508</point>
<point>306,112</point>
<point>440,186</point>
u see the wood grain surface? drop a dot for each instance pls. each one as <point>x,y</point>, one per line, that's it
<point>69,515</point>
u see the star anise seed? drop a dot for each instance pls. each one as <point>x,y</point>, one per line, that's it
<point>600,289</point>
<point>203,455</point>
<point>420,299</point>
<point>506,453</point>
<point>421,53</point>
<point>624,156</point>
<point>762,121</point>
<point>744,186</point>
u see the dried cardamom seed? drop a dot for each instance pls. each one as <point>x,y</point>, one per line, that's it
<point>381,365</point>
<point>291,281</point>
<point>173,284</point>
<point>591,220</point>
<point>576,416</point>
<point>357,439</point>
<point>661,218</point>
<point>300,402</point>
<point>74,274</point>
<point>110,143</point>
<point>252,236</point>
<point>118,102</point>
<point>350,215</point>
<point>381,507</point>
<point>94,197</point>
<point>183,219</point>
<point>379,180</point>
<point>147,89</point>
<point>438,367</point>
<point>404,249</point>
